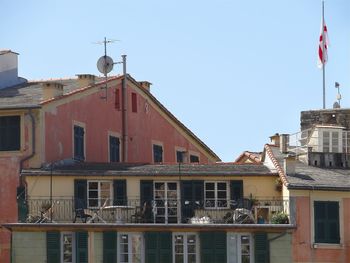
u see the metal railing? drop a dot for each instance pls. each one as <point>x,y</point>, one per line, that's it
<point>159,211</point>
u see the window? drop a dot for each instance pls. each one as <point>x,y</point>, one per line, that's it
<point>185,248</point>
<point>194,158</point>
<point>180,156</point>
<point>326,220</point>
<point>79,143</point>
<point>130,248</point>
<point>67,247</point>
<point>157,153</point>
<point>331,141</point>
<point>133,102</point>
<point>240,248</point>
<point>99,193</point>
<point>114,149</point>
<point>10,133</point>
<point>117,99</point>
<point>166,203</point>
<point>245,249</point>
<point>216,194</point>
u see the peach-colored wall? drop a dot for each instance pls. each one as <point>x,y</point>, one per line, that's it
<point>303,250</point>
<point>100,116</point>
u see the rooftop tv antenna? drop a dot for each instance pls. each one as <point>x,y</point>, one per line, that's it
<point>337,86</point>
<point>105,63</point>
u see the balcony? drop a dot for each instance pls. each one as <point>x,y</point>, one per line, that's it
<point>171,211</point>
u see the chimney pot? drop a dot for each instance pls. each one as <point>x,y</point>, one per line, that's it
<point>284,142</point>
<point>52,90</point>
<point>275,139</point>
<point>289,164</point>
<point>85,80</point>
<point>146,85</point>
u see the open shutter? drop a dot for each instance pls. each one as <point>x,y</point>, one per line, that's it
<point>120,197</point>
<point>53,247</point>
<point>158,247</point>
<point>236,187</point>
<point>146,198</point>
<point>186,200</point>
<point>80,194</point>
<point>109,247</point>
<point>261,248</point>
<point>81,239</point>
<point>213,247</point>
<point>198,194</point>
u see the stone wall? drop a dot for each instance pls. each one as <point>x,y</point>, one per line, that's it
<point>339,117</point>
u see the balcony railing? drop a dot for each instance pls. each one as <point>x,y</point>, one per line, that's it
<point>170,211</point>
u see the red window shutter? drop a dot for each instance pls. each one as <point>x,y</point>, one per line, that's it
<point>133,102</point>
<point>117,99</point>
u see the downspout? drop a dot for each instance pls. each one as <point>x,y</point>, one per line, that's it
<point>124,114</point>
<point>22,182</point>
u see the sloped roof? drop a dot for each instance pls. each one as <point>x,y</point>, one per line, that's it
<point>253,157</point>
<point>123,169</point>
<point>309,177</point>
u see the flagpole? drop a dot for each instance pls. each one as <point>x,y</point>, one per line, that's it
<point>323,59</point>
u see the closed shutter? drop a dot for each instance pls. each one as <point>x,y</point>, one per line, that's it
<point>81,239</point>
<point>192,194</point>
<point>326,222</point>
<point>262,249</point>
<point>146,198</point>
<point>80,194</point>
<point>158,247</point>
<point>109,247</point>
<point>53,246</point>
<point>236,189</point>
<point>120,196</point>
<point>213,247</point>
<point>78,143</point>
<point>114,152</point>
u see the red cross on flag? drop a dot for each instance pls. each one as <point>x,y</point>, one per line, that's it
<point>323,46</point>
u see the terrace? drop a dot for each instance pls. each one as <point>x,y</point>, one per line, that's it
<point>156,211</point>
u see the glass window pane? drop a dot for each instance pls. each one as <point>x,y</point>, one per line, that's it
<point>209,186</point>
<point>221,186</point>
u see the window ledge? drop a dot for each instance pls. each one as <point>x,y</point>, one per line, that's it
<point>327,246</point>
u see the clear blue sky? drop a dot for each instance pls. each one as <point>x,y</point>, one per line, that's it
<point>234,72</point>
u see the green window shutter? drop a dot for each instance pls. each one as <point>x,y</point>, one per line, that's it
<point>326,222</point>
<point>158,247</point>
<point>109,247</point>
<point>151,245</point>
<point>120,196</point>
<point>165,247</point>
<point>53,246</point>
<point>198,193</point>
<point>261,248</point>
<point>236,189</point>
<point>80,194</point>
<point>81,241</point>
<point>213,247</point>
<point>146,198</point>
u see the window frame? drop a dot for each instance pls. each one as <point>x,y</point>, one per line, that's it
<point>114,135</point>
<point>237,257</point>
<point>21,134</point>
<point>216,199</point>
<point>80,125</point>
<point>156,144</point>
<point>99,199</point>
<point>185,247</point>
<point>329,144</point>
<point>130,248</point>
<point>327,222</point>
<point>73,246</point>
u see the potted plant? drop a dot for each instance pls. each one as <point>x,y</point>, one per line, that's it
<point>280,218</point>
<point>278,184</point>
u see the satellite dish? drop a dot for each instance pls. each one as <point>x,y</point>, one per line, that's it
<point>105,64</point>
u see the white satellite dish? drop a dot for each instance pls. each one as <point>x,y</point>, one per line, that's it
<point>105,64</point>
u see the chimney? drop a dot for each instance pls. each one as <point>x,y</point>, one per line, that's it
<point>52,90</point>
<point>275,139</point>
<point>289,164</point>
<point>284,141</point>
<point>85,80</point>
<point>146,85</point>
<point>9,69</point>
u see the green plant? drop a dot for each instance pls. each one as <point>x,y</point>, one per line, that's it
<point>280,218</point>
<point>278,184</point>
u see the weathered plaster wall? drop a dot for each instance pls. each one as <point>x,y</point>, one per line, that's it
<point>23,252</point>
<point>280,248</point>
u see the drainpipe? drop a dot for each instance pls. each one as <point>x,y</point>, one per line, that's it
<point>33,147</point>
<point>124,114</point>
